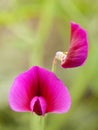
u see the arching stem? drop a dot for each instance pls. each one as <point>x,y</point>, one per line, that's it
<point>54,65</point>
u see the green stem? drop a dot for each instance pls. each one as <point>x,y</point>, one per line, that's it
<point>54,65</point>
<point>37,122</point>
<point>42,123</point>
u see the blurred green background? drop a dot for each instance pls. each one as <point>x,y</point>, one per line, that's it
<point>31,31</point>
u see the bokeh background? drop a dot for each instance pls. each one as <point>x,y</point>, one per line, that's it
<point>31,31</point>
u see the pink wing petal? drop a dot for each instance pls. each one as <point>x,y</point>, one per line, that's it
<point>54,91</point>
<point>23,90</point>
<point>78,50</point>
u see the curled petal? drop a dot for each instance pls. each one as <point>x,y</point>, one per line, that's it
<point>38,105</point>
<point>78,50</point>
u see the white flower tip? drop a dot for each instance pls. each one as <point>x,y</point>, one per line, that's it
<point>60,56</point>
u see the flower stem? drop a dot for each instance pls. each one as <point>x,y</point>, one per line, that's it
<point>54,65</point>
<point>37,122</point>
<point>42,123</point>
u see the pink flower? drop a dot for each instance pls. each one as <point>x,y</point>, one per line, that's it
<point>78,50</point>
<point>39,90</point>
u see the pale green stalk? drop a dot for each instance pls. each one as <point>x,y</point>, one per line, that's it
<point>37,122</point>
<point>54,65</point>
<point>46,20</point>
<point>42,122</point>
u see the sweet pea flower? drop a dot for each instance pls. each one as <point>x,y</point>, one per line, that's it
<point>38,90</point>
<point>78,50</point>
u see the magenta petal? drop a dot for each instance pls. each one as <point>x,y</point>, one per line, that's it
<point>22,91</point>
<point>78,50</point>
<point>40,91</point>
<point>38,105</point>
<point>54,91</point>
